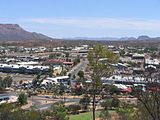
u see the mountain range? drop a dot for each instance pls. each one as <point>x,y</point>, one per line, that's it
<point>143,37</point>
<point>13,32</point>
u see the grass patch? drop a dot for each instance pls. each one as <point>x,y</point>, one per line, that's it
<point>83,116</point>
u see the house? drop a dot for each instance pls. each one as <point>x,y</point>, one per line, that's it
<point>55,80</point>
<point>153,62</point>
<point>29,69</point>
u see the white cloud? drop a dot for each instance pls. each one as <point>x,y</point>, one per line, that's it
<point>100,23</point>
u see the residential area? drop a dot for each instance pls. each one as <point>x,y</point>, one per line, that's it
<point>47,76</point>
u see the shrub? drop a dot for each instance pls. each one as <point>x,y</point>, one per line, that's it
<point>74,108</point>
<point>22,99</point>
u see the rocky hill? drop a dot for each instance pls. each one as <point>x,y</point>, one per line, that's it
<point>13,32</point>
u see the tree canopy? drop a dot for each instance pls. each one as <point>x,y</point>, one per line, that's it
<point>101,62</point>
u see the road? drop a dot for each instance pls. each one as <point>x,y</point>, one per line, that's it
<point>78,68</point>
<point>9,94</point>
<point>45,102</point>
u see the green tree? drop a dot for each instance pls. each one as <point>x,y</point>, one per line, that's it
<point>74,76</point>
<point>1,84</point>
<point>55,90</point>
<point>74,108</point>
<point>100,60</point>
<point>114,90</point>
<point>50,73</point>
<point>115,102</point>
<point>55,55</point>
<point>12,112</point>
<point>65,47</point>
<point>63,73</point>
<point>67,56</point>
<point>85,102</point>
<point>122,52</point>
<point>7,81</point>
<point>76,60</point>
<point>127,112</point>
<point>104,115</point>
<point>107,104</point>
<point>22,99</point>
<point>61,89</point>
<point>149,99</point>
<point>58,90</point>
<point>81,74</point>
<point>37,81</point>
<point>109,90</point>
<point>58,112</point>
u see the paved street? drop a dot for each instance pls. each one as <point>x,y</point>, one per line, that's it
<point>78,67</point>
<point>44,102</point>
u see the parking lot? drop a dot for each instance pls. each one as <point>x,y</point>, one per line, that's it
<point>18,77</point>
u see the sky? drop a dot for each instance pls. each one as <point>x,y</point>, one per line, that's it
<point>84,18</point>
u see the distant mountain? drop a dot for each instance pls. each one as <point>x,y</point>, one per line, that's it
<point>143,37</point>
<point>139,38</point>
<point>127,38</point>
<point>92,38</point>
<point>13,32</point>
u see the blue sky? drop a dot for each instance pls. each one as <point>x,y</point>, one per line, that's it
<point>84,18</point>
